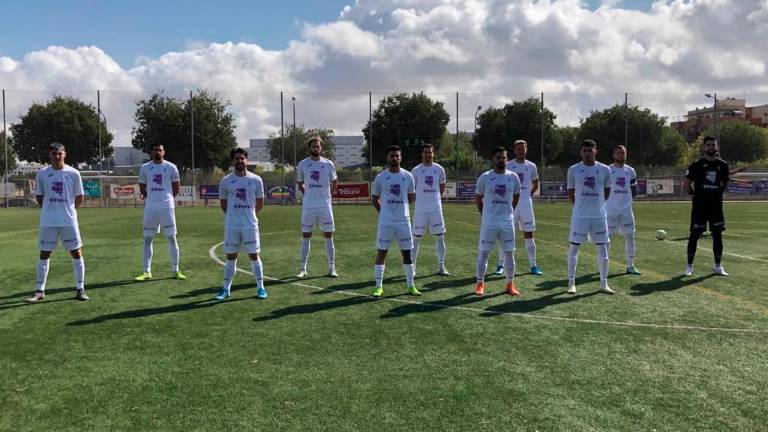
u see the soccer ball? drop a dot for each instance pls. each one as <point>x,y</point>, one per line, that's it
<point>661,235</point>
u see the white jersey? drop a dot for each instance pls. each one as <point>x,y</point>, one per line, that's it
<point>589,182</point>
<point>497,191</point>
<point>317,177</point>
<point>428,180</point>
<point>241,193</point>
<point>58,189</point>
<point>393,189</point>
<point>527,173</point>
<point>159,179</point>
<point>622,180</point>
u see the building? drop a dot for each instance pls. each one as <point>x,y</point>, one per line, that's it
<point>728,109</point>
<point>128,156</point>
<point>348,150</point>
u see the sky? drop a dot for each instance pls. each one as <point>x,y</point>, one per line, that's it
<point>328,54</point>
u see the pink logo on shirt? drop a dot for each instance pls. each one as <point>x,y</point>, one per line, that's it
<point>58,187</point>
<point>157,179</point>
<point>315,175</point>
<point>621,181</point>
<point>589,182</point>
<point>500,190</point>
<point>240,194</point>
<point>394,189</point>
<point>429,181</point>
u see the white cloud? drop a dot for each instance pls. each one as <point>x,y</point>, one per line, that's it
<point>492,51</point>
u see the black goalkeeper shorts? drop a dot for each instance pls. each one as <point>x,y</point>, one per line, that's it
<point>711,215</point>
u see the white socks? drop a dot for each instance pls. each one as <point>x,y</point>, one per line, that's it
<point>509,265</point>
<point>173,251</point>
<point>501,257</point>
<point>440,250</point>
<point>573,260</point>
<point>148,254</point>
<point>258,274</point>
<point>629,249</point>
<point>602,263</point>
<point>304,253</point>
<point>415,249</point>
<point>78,266</point>
<point>378,274</point>
<point>330,253</point>
<point>229,273</point>
<point>410,272</point>
<point>42,274</point>
<point>482,265</point>
<point>530,247</point>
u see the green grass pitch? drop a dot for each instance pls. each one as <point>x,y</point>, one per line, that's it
<point>664,353</point>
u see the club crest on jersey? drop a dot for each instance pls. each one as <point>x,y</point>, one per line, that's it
<point>589,182</point>
<point>240,194</point>
<point>711,176</point>
<point>394,189</point>
<point>429,181</point>
<point>315,175</point>
<point>621,182</point>
<point>58,187</point>
<point>500,190</point>
<point>157,179</point>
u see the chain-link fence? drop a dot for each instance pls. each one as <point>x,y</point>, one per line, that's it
<point>552,123</point>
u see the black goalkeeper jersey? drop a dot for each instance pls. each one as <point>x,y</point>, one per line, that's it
<point>710,179</point>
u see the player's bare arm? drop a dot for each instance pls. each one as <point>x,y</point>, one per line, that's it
<point>534,186</point>
<point>479,203</point>
<point>376,203</point>
<point>174,187</point>
<point>143,190</point>
<point>515,199</point>
<point>607,192</point>
<point>301,186</point>
<point>259,205</point>
<point>411,198</point>
<point>223,204</point>
<point>572,195</point>
<point>334,186</point>
<point>79,201</point>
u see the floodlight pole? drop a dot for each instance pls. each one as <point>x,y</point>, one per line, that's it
<point>192,141</point>
<point>5,146</point>
<point>479,107</point>
<point>295,133</point>
<point>370,134</point>
<point>282,141</point>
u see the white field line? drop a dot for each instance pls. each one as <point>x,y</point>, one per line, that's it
<point>212,254</point>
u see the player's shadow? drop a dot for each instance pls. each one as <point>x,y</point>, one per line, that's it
<point>461,300</point>
<point>563,283</point>
<point>448,283</point>
<point>352,286</point>
<point>314,307</point>
<point>244,286</point>
<point>162,310</point>
<point>20,303</point>
<point>521,306</point>
<point>667,285</point>
<point>71,289</point>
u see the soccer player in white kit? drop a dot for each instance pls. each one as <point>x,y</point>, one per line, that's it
<point>159,185</point>
<point>241,197</point>
<point>529,183</point>
<point>430,186</point>
<point>496,196</point>
<point>59,191</point>
<point>393,191</point>
<point>589,185</point>
<point>316,177</point>
<point>621,219</point>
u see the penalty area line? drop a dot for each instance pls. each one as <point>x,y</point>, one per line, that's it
<point>214,257</point>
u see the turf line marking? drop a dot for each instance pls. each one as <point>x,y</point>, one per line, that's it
<point>212,254</point>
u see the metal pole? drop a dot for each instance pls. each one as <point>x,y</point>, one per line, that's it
<point>541,110</point>
<point>717,131</point>
<point>295,133</point>
<point>479,107</point>
<point>370,133</point>
<point>282,141</point>
<point>98,119</point>
<point>626,121</point>
<point>192,141</point>
<point>456,150</point>
<point>5,146</point>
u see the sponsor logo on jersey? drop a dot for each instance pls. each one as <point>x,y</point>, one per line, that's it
<point>429,181</point>
<point>500,190</point>
<point>240,194</point>
<point>157,179</point>
<point>711,176</point>
<point>58,187</point>
<point>589,182</point>
<point>394,189</point>
<point>315,175</point>
<point>621,182</point>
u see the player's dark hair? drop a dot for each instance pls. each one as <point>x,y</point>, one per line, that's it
<point>619,146</point>
<point>237,150</point>
<point>313,139</point>
<point>498,149</point>
<point>152,147</point>
<point>520,141</point>
<point>426,146</point>
<point>589,143</point>
<point>708,138</point>
<point>56,146</point>
<point>393,148</point>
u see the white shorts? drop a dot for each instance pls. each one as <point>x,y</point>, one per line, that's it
<point>69,235</point>
<point>525,218</point>
<point>322,216</point>
<point>432,220</point>
<point>594,230</point>
<point>505,234</point>
<point>622,221</point>
<point>157,219</point>
<point>248,238</point>
<point>399,232</point>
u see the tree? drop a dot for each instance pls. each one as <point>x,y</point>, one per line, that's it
<point>299,137</point>
<point>66,120</point>
<point>407,121</point>
<point>518,120</point>
<point>741,141</point>
<point>566,138</point>
<point>11,155</point>
<point>672,150</point>
<point>168,121</point>
<point>450,155</point>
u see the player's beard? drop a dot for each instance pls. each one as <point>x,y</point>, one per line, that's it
<point>394,164</point>
<point>157,158</point>
<point>711,153</point>
<point>501,166</point>
<point>314,153</point>
<point>239,166</point>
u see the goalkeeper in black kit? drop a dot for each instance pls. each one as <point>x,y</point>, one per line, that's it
<point>706,180</point>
